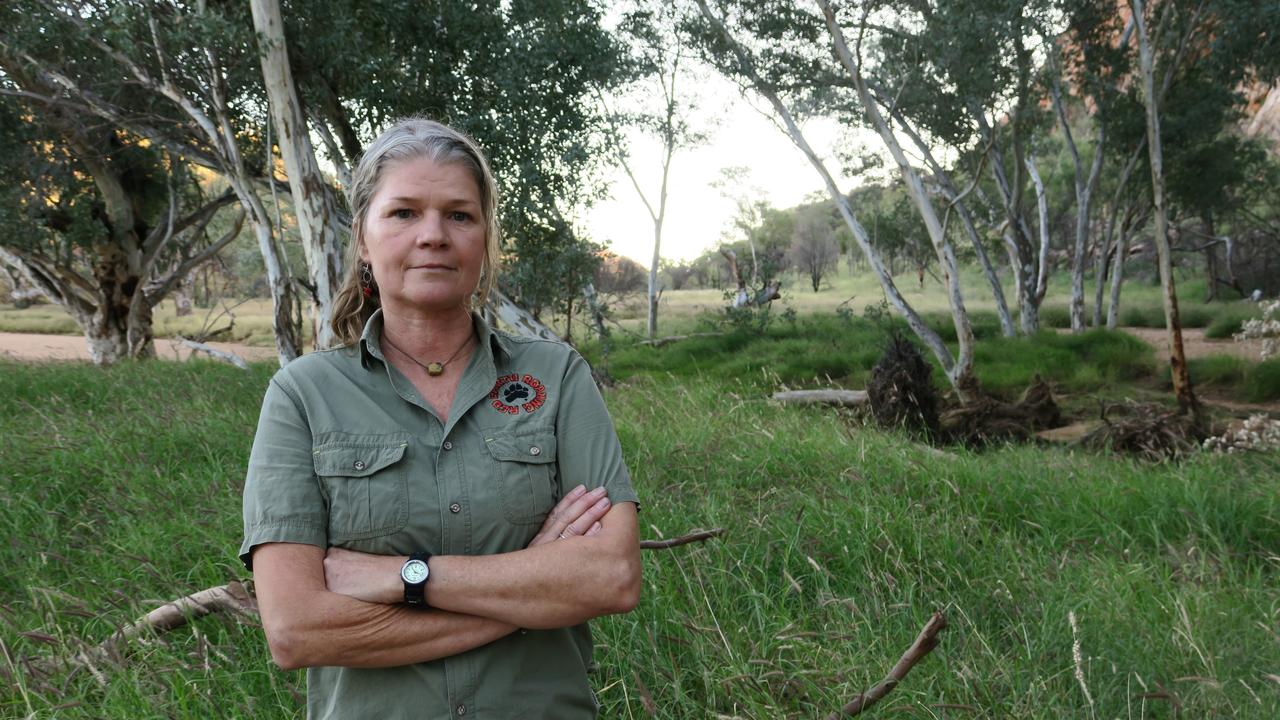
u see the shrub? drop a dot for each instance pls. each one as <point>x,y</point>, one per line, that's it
<point>1218,370</point>
<point>1055,317</point>
<point>1262,383</point>
<point>1224,326</point>
<point>1142,316</point>
<point>1193,316</point>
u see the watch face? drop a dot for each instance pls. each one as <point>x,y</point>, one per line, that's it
<point>414,572</point>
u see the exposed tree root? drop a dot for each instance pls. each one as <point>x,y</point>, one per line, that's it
<point>900,388</point>
<point>1148,431</point>
<point>985,418</point>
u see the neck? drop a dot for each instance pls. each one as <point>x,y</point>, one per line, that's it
<point>427,334</point>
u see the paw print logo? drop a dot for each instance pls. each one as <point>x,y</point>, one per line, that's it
<point>515,392</point>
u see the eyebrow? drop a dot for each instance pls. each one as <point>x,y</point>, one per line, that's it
<point>408,200</point>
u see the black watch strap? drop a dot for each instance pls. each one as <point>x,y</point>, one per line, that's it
<point>416,593</point>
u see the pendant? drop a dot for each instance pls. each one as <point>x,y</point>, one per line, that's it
<point>434,369</point>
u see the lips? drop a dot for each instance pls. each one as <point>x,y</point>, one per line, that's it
<point>433,266</point>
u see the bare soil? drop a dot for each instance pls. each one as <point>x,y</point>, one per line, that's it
<point>1196,345</point>
<point>33,347</point>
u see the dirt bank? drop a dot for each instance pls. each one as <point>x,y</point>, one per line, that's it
<point>33,347</point>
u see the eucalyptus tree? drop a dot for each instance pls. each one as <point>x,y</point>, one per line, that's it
<point>660,103</point>
<point>520,77</point>
<point>99,222</point>
<point>180,76</point>
<point>785,54</point>
<point>314,201</point>
<point>1094,64</point>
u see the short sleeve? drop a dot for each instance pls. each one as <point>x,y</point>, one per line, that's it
<point>282,498</point>
<point>587,447</point>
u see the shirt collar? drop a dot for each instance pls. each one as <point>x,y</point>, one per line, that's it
<point>371,339</point>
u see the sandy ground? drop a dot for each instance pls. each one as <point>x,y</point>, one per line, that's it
<point>35,347</point>
<point>1196,345</point>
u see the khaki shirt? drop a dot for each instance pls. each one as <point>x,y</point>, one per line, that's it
<point>347,454</point>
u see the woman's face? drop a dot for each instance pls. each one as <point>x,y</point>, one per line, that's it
<point>424,236</point>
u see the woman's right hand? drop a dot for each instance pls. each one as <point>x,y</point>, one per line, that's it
<point>577,513</point>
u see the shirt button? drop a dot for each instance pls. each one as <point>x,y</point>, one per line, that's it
<point>359,465</point>
<point>448,444</point>
<point>535,450</point>
<point>462,710</point>
<point>455,508</point>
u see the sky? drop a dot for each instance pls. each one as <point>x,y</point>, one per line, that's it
<point>698,212</point>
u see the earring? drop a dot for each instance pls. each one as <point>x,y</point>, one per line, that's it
<point>366,279</point>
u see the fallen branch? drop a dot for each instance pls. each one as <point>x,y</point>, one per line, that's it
<point>213,352</point>
<point>233,598</point>
<point>839,398</point>
<point>695,536</point>
<point>659,342</point>
<point>924,644</point>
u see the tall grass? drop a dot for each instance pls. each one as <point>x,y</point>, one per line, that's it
<point>818,350</point>
<point>121,489</point>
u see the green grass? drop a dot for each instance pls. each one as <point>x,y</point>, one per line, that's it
<point>1262,383</point>
<point>122,489</point>
<point>1229,320</point>
<point>820,350</point>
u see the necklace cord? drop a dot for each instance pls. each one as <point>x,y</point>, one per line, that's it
<point>433,369</point>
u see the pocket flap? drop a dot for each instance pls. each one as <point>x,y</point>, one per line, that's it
<point>357,459</point>
<point>537,447</point>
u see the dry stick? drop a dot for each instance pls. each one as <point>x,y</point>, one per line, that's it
<point>233,597</point>
<point>213,352</point>
<point>924,644</point>
<point>695,536</point>
<point>839,398</point>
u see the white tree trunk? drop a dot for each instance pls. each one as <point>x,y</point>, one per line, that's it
<point>313,200</point>
<point>517,318</point>
<point>962,373</point>
<point>956,198</point>
<point>283,300</point>
<point>1042,207</point>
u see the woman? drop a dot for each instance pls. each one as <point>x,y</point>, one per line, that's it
<point>434,510</point>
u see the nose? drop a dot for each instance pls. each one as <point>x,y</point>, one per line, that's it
<point>431,230</point>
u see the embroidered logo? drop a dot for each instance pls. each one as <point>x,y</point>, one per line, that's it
<point>513,393</point>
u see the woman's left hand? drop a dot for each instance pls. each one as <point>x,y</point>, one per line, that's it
<point>372,578</point>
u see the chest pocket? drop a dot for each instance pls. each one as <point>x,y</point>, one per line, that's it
<point>525,468</point>
<point>366,482</point>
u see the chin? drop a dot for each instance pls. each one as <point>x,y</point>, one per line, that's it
<point>434,302</point>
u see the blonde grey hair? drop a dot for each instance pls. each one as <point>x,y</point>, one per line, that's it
<point>409,139</point>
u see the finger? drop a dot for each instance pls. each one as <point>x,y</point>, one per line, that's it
<point>554,523</point>
<point>590,515</point>
<point>576,509</point>
<point>595,529</point>
<point>569,498</point>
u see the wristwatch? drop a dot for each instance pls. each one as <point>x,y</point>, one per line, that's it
<point>414,573</point>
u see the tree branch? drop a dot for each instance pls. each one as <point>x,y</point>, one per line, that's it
<point>924,644</point>
<point>695,536</point>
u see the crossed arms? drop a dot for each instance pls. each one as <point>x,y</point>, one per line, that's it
<point>343,608</point>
